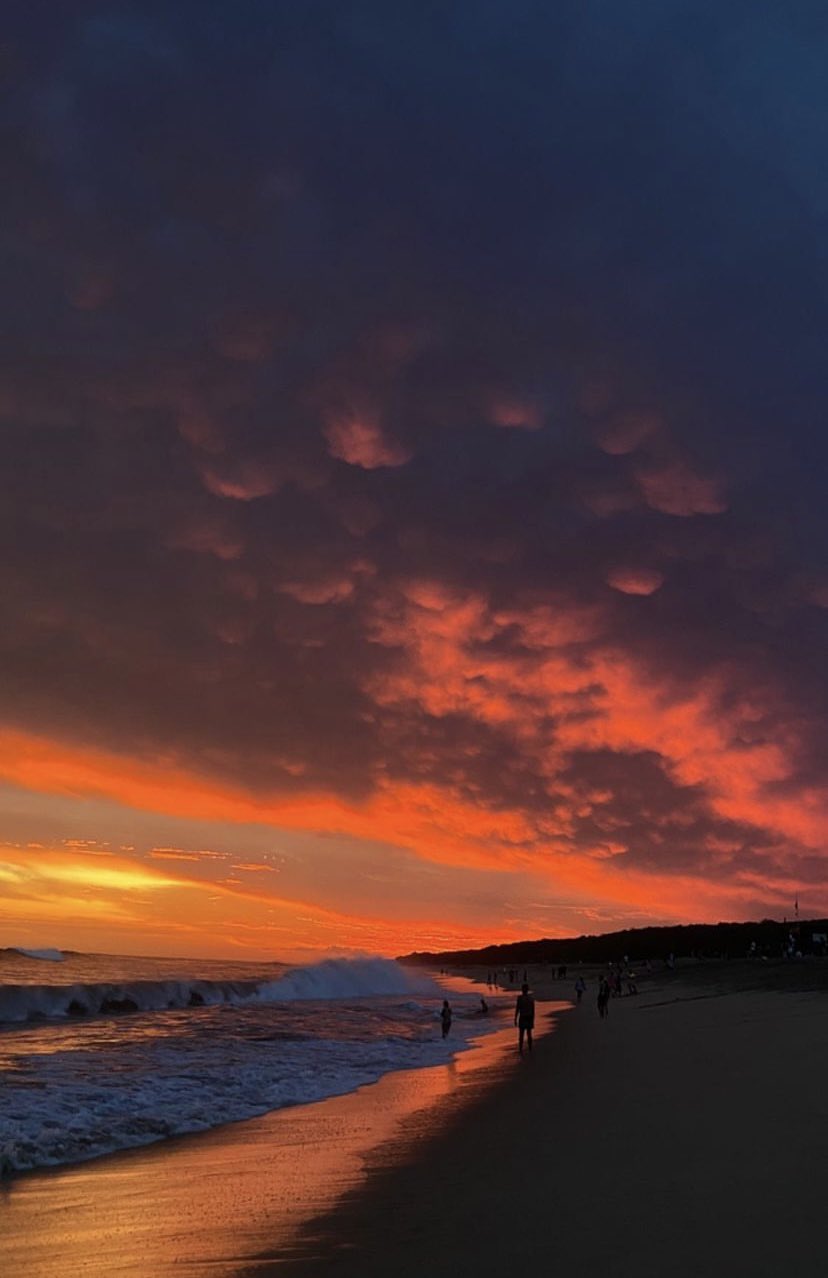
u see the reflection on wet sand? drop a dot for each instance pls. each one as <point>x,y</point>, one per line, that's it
<point>215,1203</point>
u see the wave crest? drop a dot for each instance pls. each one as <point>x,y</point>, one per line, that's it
<point>330,979</point>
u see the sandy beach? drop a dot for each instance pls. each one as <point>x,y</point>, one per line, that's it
<point>684,1136</point>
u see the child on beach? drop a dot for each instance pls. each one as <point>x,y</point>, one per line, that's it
<point>445,1017</point>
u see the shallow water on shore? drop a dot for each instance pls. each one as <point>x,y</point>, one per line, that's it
<point>212,1206</point>
<point>99,1054</point>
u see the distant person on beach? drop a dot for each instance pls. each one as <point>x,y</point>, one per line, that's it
<point>525,1017</point>
<point>603,997</point>
<point>484,1006</point>
<point>580,986</point>
<point>445,1017</point>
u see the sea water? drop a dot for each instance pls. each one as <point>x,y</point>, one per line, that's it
<point>100,1053</point>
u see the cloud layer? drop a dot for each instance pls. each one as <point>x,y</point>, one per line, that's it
<point>413,431</point>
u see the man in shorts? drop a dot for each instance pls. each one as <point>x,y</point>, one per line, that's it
<point>525,1017</point>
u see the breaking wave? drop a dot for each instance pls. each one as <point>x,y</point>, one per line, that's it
<point>331,979</point>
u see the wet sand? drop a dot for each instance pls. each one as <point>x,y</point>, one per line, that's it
<point>684,1136</point>
<point>211,1204</point>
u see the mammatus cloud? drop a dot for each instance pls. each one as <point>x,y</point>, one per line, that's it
<point>358,438</point>
<point>635,581</point>
<point>676,490</point>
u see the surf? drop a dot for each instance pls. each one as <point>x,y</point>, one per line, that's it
<point>331,979</point>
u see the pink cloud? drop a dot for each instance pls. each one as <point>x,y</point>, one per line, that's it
<point>359,440</point>
<point>328,590</point>
<point>635,581</point>
<point>675,489</point>
<point>244,480</point>
<point>331,587</point>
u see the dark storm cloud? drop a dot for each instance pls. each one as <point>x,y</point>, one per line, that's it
<point>307,303</point>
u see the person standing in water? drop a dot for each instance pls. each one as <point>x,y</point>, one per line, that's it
<point>445,1017</point>
<point>525,1017</point>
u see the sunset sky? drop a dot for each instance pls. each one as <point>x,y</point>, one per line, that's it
<point>413,471</point>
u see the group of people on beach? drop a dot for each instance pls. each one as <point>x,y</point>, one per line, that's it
<point>507,977</point>
<point>610,985</point>
<point>617,981</point>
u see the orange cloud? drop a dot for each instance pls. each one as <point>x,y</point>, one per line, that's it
<point>546,679</point>
<point>700,743</point>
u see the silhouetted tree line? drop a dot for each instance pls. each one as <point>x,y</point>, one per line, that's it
<point>700,940</point>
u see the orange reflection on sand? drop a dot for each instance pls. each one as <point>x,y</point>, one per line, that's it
<point>211,1204</point>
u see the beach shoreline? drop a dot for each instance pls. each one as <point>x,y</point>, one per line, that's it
<point>684,1135</point>
<point>211,1202</point>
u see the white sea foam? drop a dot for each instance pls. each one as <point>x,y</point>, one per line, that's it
<point>188,1092</point>
<point>347,978</point>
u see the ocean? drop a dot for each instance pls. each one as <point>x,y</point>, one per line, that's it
<point>101,1053</point>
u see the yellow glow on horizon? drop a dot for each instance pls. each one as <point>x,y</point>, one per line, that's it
<point>211,907</point>
<point>101,876</point>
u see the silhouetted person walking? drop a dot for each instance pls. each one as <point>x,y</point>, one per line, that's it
<point>525,1017</point>
<point>445,1017</point>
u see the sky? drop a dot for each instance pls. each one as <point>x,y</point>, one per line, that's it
<point>412,433</point>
